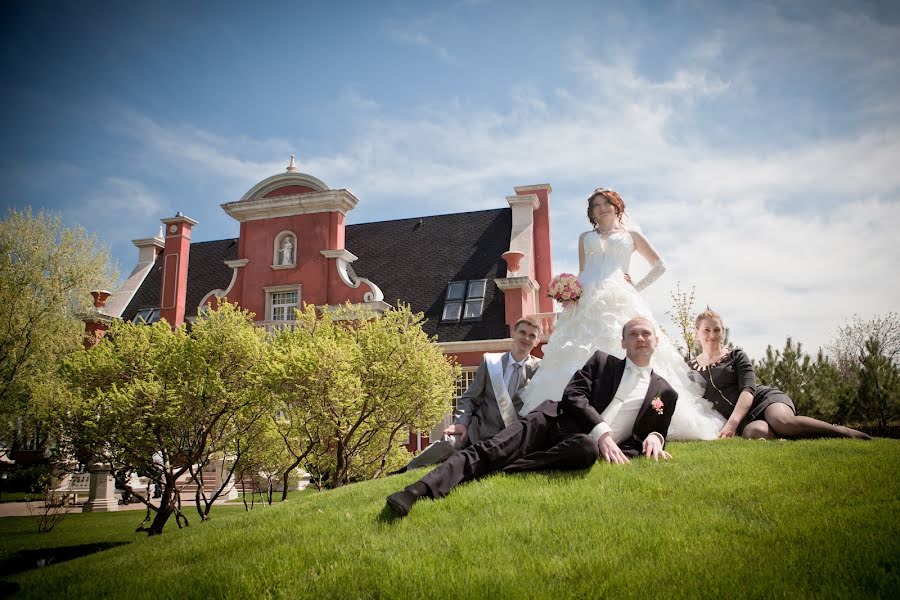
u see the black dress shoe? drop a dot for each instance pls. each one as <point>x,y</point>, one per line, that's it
<point>401,502</point>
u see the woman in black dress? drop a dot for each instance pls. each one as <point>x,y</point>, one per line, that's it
<point>754,411</point>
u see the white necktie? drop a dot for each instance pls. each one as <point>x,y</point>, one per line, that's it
<point>632,376</point>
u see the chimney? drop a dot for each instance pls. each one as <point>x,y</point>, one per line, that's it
<point>542,263</point>
<point>173,294</point>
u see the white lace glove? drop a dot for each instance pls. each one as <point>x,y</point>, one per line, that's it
<point>658,268</point>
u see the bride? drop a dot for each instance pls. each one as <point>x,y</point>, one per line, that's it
<point>608,300</point>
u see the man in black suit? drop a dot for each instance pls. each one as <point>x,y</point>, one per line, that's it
<point>611,407</point>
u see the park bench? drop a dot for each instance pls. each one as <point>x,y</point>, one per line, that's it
<point>139,485</point>
<point>71,485</point>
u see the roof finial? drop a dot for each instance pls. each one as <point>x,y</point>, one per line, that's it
<point>292,168</point>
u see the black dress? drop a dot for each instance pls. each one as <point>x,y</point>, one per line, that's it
<point>728,377</point>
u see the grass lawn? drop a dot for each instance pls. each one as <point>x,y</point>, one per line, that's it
<point>729,518</point>
<point>16,496</point>
<point>276,497</point>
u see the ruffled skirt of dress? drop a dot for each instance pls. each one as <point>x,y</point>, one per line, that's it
<point>595,323</point>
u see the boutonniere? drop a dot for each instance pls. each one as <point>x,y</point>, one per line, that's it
<point>657,404</point>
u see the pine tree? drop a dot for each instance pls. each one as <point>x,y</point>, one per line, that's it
<point>879,386</point>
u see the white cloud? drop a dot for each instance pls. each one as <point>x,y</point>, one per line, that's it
<point>125,198</point>
<point>785,243</point>
<point>788,240</point>
<point>414,35</point>
<point>355,99</point>
<point>192,150</point>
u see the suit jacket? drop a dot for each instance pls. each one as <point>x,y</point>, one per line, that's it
<point>591,390</point>
<point>477,408</point>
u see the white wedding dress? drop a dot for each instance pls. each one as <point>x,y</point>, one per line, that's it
<point>607,302</point>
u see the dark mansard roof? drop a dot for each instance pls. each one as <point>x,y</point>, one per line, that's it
<point>411,260</point>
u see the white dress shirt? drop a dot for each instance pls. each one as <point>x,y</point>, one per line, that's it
<point>622,412</point>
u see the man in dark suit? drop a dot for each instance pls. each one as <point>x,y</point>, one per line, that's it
<point>492,401</point>
<point>611,407</point>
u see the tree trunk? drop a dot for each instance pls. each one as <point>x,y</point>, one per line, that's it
<point>284,485</point>
<point>165,510</point>
<point>339,465</point>
<point>287,472</point>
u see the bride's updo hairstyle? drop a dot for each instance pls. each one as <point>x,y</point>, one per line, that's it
<point>614,198</point>
<point>707,315</point>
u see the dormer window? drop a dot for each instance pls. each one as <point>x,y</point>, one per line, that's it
<point>146,315</point>
<point>465,300</point>
<point>284,255</point>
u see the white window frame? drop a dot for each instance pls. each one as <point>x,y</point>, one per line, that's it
<point>462,383</point>
<point>281,289</point>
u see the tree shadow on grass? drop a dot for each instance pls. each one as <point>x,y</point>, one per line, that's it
<point>25,560</point>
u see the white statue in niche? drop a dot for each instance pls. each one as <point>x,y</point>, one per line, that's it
<point>287,251</point>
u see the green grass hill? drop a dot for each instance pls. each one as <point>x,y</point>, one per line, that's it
<point>722,519</point>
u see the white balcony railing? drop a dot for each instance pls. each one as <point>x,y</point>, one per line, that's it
<point>273,326</point>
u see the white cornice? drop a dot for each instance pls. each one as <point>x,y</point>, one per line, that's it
<point>509,283</point>
<point>283,288</point>
<point>154,241</point>
<point>179,219</point>
<point>343,254</point>
<point>533,188</point>
<point>525,200</point>
<point>254,209</point>
<point>500,345</point>
<point>237,263</point>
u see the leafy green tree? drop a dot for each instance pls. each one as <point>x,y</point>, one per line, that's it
<point>299,366</point>
<point>317,388</point>
<point>814,385</point>
<point>832,394</point>
<point>879,386</point>
<point>350,387</point>
<point>47,271</point>
<point>266,460</point>
<point>232,443</point>
<point>408,384</point>
<point>151,399</point>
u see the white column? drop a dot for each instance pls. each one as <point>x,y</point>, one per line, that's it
<point>102,494</point>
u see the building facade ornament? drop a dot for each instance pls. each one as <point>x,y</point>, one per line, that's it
<point>255,209</point>
<point>343,258</point>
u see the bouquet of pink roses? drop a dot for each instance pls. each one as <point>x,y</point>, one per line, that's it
<point>565,287</point>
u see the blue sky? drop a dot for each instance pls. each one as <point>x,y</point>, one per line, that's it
<point>756,144</point>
